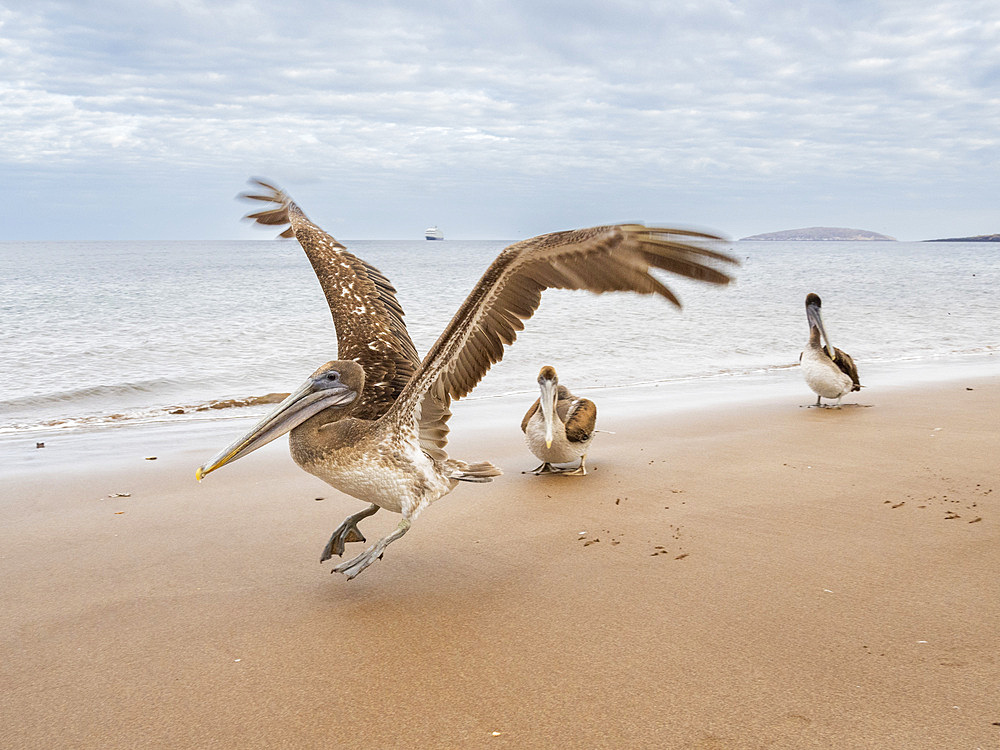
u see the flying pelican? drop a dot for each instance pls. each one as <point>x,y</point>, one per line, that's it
<point>829,372</point>
<point>559,427</point>
<point>373,423</point>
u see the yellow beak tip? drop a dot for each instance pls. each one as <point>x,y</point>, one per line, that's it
<point>548,443</point>
<point>198,475</point>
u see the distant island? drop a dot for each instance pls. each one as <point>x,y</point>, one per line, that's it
<point>814,234</point>
<point>978,238</point>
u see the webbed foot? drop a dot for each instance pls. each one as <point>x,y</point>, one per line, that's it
<point>348,531</point>
<point>353,567</point>
<point>581,470</point>
<point>545,468</point>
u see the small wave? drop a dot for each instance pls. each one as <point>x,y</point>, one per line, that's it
<point>232,403</point>
<point>103,392</point>
<point>214,408</point>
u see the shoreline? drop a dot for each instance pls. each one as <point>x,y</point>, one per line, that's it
<point>711,392</point>
<point>919,369</point>
<point>768,576</point>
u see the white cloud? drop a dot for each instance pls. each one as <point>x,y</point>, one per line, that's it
<point>732,100</point>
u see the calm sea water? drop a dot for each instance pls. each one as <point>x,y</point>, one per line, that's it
<point>100,333</point>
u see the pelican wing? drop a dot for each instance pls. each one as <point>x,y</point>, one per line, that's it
<point>366,314</point>
<point>529,414</point>
<point>601,259</point>
<point>846,364</point>
<point>580,419</point>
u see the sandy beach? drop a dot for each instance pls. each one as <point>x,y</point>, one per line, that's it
<point>762,575</point>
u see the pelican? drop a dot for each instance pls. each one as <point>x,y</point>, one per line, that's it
<point>829,372</point>
<point>559,427</point>
<point>374,423</point>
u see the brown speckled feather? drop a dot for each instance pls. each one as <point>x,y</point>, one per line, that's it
<point>601,259</point>
<point>366,314</point>
<point>846,364</point>
<point>580,417</point>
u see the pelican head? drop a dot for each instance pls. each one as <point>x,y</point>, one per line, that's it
<point>548,382</point>
<point>813,306</point>
<point>334,386</point>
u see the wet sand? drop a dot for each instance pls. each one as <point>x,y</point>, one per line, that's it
<point>757,576</point>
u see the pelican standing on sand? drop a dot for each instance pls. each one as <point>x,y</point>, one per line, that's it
<point>829,372</point>
<point>373,424</point>
<point>559,427</point>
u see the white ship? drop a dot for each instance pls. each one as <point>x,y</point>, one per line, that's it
<point>433,233</point>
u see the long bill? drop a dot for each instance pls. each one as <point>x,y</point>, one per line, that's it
<point>816,319</point>
<point>548,403</point>
<point>306,402</point>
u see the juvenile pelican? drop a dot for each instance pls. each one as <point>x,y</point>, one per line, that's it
<point>829,372</point>
<point>559,427</point>
<point>373,424</point>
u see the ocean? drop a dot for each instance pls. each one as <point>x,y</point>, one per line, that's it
<point>107,333</point>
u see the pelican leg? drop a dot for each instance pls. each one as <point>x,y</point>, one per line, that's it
<point>348,531</point>
<point>352,567</point>
<point>818,404</point>
<point>579,471</point>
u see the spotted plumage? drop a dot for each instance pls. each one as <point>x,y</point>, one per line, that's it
<point>372,423</point>
<point>355,290</point>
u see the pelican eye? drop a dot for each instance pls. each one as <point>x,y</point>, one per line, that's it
<point>331,377</point>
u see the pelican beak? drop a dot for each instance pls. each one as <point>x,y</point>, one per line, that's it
<point>309,400</point>
<point>548,402</point>
<point>815,318</point>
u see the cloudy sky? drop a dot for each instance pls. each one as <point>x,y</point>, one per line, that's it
<point>126,119</point>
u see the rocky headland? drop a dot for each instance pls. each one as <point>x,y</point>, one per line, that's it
<point>813,234</point>
<point>977,238</point>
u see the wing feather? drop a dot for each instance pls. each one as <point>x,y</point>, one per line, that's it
<point>846,364</point>
<point>529,414</point>
<point>581,421</point>
<point>601,259</point>
<point>366,314</point>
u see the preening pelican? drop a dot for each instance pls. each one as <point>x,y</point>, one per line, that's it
<point>829,372</point>
<point>373,424</point>
<point>559,427</point>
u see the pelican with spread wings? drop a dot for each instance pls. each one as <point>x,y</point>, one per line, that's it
<point>374,423</point>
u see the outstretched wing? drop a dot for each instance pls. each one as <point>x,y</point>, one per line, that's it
<point>366,314</point>
<point>603,259</point>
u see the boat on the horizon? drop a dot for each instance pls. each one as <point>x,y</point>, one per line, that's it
<point>433,233</point>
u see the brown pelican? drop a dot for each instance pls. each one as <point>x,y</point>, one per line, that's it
<point>828,371</point>
<point>373,424</point>
<point>559,427</point>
